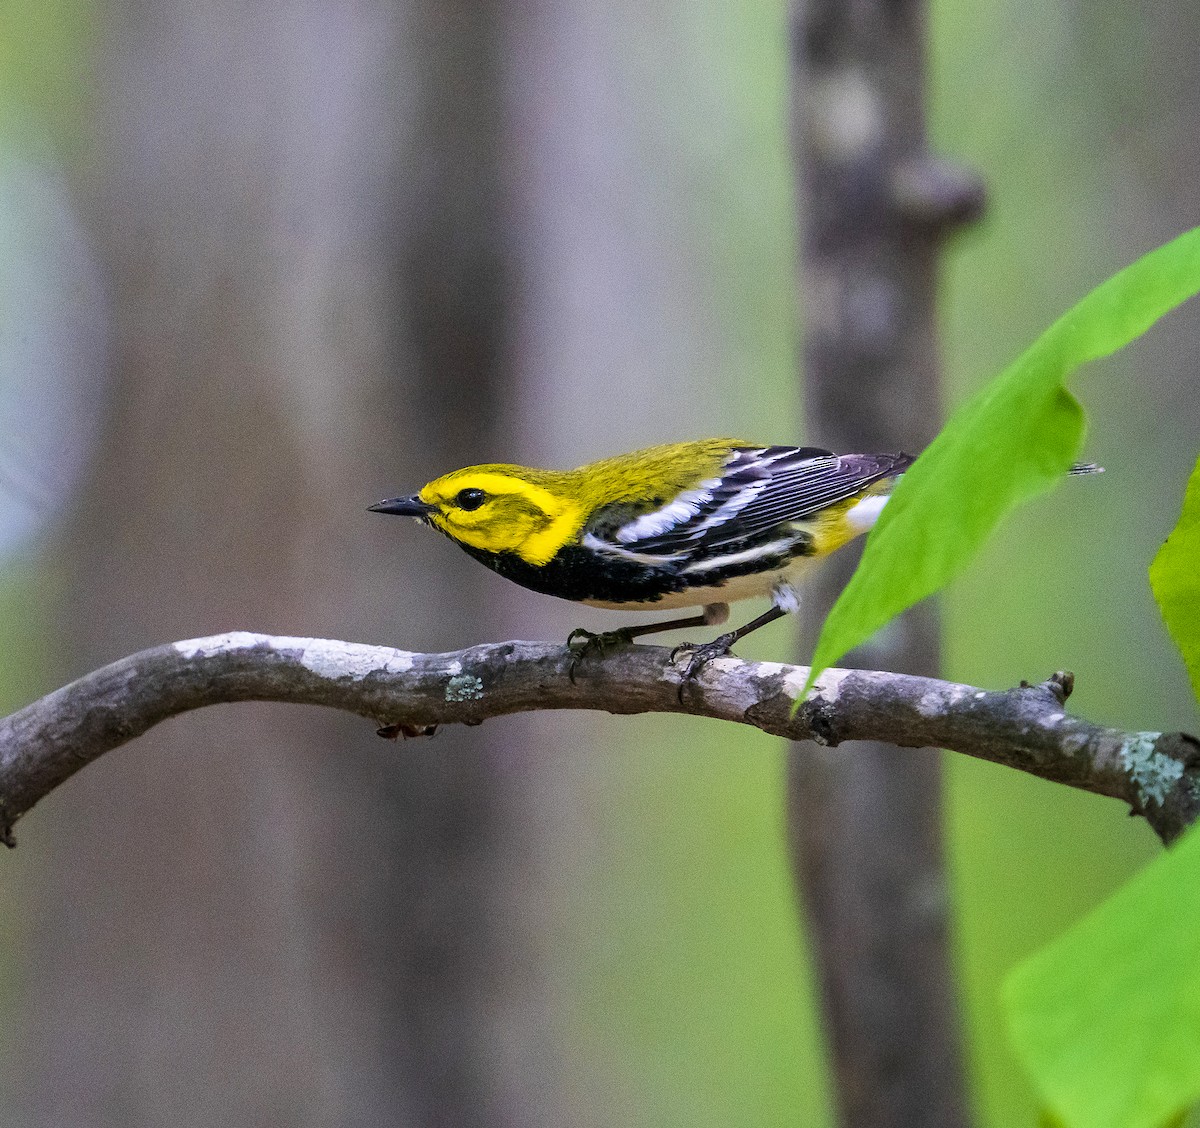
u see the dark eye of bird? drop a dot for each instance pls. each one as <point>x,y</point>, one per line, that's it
<point>470,499</point>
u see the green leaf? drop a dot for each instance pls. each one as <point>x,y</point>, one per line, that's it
<point>1107,1017</point>
<point>1015,439</point>
<point>1175,580</point>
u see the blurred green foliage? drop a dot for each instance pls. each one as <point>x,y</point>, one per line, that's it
<point>47,84</point>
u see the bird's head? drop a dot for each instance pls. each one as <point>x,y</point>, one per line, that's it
<point>498,508</point>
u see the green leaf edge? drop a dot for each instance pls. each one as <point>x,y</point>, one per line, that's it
<point>1112,315</point>
<point>1175,580</point>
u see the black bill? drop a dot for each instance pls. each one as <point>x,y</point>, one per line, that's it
<point>402,507</point>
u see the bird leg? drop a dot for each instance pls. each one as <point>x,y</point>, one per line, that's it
<point>712,615</point>
<point>720,646</point>
<point>592,642</point>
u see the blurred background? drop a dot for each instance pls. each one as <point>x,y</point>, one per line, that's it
<point>264,264</point>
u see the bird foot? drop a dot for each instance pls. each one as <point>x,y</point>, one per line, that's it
<point>702,655</point>
<point>586,642</point>
<point>583,642</point>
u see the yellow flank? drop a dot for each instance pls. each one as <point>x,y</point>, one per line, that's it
<point>534,513</point>
<point>831,529</point>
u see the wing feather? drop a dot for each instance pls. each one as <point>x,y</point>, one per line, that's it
<point>758,493</point>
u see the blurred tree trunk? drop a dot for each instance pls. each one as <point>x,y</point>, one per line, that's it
<point>260,916</point>
<point>867,827</point>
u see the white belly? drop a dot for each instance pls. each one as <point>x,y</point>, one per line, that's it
<point>758,586</point>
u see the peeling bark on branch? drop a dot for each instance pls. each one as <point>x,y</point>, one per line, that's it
<point>1157,774</point>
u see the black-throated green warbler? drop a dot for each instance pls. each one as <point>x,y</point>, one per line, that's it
<point>696,524</point>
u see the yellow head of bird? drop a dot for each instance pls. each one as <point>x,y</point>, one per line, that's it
<point>497,508</point>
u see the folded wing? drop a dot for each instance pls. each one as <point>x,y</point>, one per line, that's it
<point>760,499</point>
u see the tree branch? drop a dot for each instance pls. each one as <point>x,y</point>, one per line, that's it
<point>1157,774</point>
